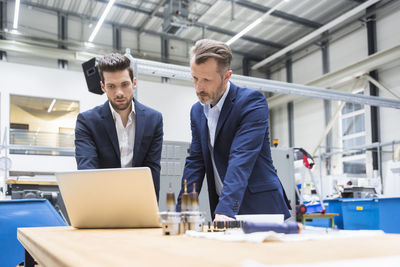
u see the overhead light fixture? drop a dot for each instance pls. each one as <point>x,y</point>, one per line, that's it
<point>101,20</point>
<point>51,105</point>
<point>255,23</point>
<point>16,14</point>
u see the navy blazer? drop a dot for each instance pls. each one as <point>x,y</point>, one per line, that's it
<point>96,140</point>
<point>242,156</point>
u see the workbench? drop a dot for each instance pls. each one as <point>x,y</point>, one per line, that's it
<point>330,216</point>
<point>67,246</point>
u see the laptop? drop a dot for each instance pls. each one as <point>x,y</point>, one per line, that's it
<point>110,198</point>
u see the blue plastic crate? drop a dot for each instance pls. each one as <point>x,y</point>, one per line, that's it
<point>22,213</point>
<point>360,214</point>
<point>389,214</point>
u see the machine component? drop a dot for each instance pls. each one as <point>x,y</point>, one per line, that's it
<point>285,228</point>
<point>171,223</point>
<point>358,192</point>
<point>176,13</point>
<point>194,199</point>
<point>185,202</point>
<point>170,200</point>
<point>309,163</point>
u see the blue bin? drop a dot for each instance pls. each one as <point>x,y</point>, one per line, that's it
<point>360,214</point>
<point>372,213</point>
<point>389,214</point>
<point>22,213</point>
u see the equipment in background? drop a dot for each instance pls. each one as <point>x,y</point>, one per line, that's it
<point>92,76</point>
<point>358,192</point>
<point>309,163</point>
<point>40,187</point>
<point>176,16</point>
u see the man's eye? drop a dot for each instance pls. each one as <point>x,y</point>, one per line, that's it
<point>110,86</point>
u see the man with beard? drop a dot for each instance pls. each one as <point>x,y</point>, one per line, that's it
<point>122,132</point>
<point>230,140</point>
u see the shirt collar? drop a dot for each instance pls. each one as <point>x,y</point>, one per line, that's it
<point>115,114</point>
<point>220,103</point>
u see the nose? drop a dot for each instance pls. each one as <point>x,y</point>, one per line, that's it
<point>119,91</point>
<point>199,87</point>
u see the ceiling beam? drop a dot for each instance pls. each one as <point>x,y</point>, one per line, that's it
<point>355,11</point>
<point>129,27</point>
<point>346,74</point>
<point>149,12</point>
<point>279,14</point>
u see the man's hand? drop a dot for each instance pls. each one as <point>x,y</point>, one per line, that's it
<point>220,217</point>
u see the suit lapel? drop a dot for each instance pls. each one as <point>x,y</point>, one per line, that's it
<point>226,108</point>
<point>109,125</point>
<point>139,128</point>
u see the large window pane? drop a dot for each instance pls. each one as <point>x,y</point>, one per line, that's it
<point>354,166</point>
<point>38,123</point>
<point>352,125</point>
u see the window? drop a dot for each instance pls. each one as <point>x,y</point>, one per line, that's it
<point>353,135</point>
<point>42,126</point>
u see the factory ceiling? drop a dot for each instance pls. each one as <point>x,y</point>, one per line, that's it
<point>190,20</point>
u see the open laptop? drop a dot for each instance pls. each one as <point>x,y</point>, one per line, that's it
<point>110,198</point>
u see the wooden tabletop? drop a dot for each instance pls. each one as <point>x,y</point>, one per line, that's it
<point>30,182</point>
<point>67,246</point>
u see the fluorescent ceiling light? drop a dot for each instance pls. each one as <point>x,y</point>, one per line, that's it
<point>16,14</point>
<point>51,105</point>
<point>101,20</point>
<point>255,23</point>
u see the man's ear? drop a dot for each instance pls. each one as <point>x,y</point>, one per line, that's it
<point>228,75</point>
<point>102,87</point>
<point>134,82</point>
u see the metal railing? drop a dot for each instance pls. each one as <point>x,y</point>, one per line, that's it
<point>41,143</point>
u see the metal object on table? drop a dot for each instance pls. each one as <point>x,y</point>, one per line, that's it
<point>171,222</point>
<point>192,220</point>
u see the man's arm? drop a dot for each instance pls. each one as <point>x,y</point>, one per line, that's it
<point>245,149</point>
<point>153,156</point>
<point>85,147</point>
<point>194,170</point>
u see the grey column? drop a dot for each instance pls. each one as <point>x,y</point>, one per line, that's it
<point>290,112</point>
<point>164,54</point>
<point>373,90</point>
<point>3,25</point>
<point>116,38</point>
<point>62,36</point>
<point>327,103</point>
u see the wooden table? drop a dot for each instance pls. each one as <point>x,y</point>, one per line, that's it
<point>330,216</point>
<point>67,246</point>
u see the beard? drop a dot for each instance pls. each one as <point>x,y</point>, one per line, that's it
<point>121,106</point>
<point>212,99</point>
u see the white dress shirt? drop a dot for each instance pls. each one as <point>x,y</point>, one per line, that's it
<point>126,136</point>
<point>212,115</point>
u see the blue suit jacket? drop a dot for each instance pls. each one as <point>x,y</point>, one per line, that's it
<point>242,156</point>
<point>96,140</point>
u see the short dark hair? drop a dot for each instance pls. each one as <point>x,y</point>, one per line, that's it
<point>206,48</point>
<point>114,62</point>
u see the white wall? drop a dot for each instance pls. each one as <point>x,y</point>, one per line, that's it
<point>348,49</point>
<point>307,68</point>
<point>174,102</point>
